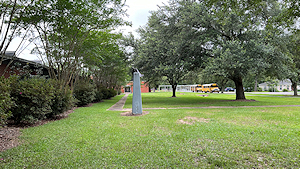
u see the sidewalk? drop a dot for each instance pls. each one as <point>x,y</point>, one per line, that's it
<point>120,104</point>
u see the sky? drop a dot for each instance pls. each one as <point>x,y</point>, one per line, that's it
<point>138,11</point>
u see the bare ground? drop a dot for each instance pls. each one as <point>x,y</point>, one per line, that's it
<point>191,120</point>
<point>129,113</point>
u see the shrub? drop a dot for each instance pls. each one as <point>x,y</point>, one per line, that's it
<point>285,90</point>
<point>112,92</point>
<point>249,89</point>
<point>259,89</point>
<point>98,96</point>
<point>63,100</point>
<point>105,93</point>
<point>84,92</point>
<point>6,102</point>
<point>33,98</point>
<point>272,90</point>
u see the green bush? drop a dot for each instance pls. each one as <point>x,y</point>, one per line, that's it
<point>27,100</point>
<point>84,92</point>
<point>112,92</point>
<point>259,89</point>
<point>33,98</point>
<point>105,93</point>
<point>63,100</point>
<point>98,96</point>
<point>285,90</point>
<point>6,101</point>
<point>272,90</point>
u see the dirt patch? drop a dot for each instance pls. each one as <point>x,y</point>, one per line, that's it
<point>129,113</point>
<point>202,95</point>
<point>191,120</point>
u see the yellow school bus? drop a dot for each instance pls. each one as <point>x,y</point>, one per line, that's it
<point>213,87</point>
<point>199,88</point>
<point>196,88</point>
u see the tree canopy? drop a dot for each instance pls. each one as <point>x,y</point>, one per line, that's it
<point>230,39</point>
<point>69,33</point>
<point>72,37</point>
<point>168,48</point>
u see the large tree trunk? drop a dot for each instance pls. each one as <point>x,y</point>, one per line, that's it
<point>174,90</point>
<point>149,87</point>
<point>294,86</point>
<point>240,95</point>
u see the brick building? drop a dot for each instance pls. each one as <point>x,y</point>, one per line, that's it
<point>19,66</point>
<point>129,87</point>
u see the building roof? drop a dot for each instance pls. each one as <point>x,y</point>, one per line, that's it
<point>11,55</point>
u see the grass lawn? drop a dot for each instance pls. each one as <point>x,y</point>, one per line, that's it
<point>164,99</point>
<point>93,137</point>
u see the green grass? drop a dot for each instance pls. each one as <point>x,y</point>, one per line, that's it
<point>164,99</point>
<point>228,138</point>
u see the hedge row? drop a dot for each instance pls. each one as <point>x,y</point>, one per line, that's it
<point>31,99</point>
<point>87,92</point>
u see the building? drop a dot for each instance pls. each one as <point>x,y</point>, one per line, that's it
<point>284,84</point>
<point>179,88</point>
<point>129,87</point>
<point>14,65</point>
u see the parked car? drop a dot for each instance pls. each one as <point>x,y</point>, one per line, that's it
<point>229,89</point>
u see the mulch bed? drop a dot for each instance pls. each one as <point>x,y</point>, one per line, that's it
<point>9,137</point>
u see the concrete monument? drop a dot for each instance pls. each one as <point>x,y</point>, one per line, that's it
<point>137,98</point>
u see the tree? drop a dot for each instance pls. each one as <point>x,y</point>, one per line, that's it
<point>238,36</point>
<point>294,67</point>
<point>63,26</point>
<point>192,77</point>
<point>168,48</point>
<point>110,70</point>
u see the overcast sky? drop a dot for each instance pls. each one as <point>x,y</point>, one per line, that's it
<point>138,11</point>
